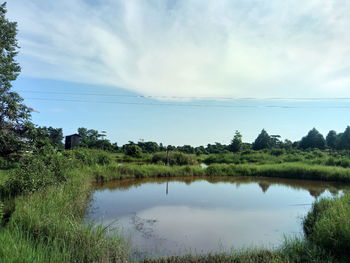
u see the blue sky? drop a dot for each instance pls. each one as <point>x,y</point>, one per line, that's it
<point>257,49</point>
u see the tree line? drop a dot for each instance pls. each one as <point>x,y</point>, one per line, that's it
<point>19,135</point>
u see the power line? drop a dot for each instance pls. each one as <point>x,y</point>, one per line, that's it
<point>191,105</point>
<point>187,97</point>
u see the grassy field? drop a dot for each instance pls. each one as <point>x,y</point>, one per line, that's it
<point>51,192</point>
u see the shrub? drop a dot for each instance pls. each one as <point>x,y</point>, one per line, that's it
<point>328,226</point>
<point>41,169</point>
<point>173,158</point>
<point>1,212</point>
<point>133,150</point>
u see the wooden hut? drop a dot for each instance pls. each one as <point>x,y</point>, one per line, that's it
<point>72,141</point>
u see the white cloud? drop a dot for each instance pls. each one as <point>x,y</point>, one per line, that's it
<point>267,48</point>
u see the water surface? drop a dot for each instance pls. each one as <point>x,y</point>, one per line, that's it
<point>167,216</point>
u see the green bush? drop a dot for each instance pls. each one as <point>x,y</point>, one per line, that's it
<point>1,212</point>
<point>133,150</point>
<point>328,226</point>
<point>173,158</point>
<point>36,171</point>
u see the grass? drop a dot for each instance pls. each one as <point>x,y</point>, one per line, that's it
<point>47,222</point>
<point>48,227</point>
<point>328,226</point>
<point>286,170</point>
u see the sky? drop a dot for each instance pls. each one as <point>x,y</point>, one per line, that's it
<point>185,71</point>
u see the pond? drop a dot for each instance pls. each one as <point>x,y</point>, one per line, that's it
<point>167,216</point>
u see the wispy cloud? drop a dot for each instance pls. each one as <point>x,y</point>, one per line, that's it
<point>267,48</point>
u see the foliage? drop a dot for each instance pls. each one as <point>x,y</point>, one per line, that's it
<point>133,150</point>
<point>313,139</point>
<point>173,158</point>
<point>49,226</point>
<point>1,212</point>
<point>332,139</point>
<point>236,143</point>
<point>328,226</point>
<point>14,115</point>
<point>344,140</point>
<point>263,141</point>
<point>44,168</point>
<point>91,138</point>
<point>148,147</point>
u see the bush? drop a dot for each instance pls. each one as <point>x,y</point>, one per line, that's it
<point>1,212</point>
<point>133,150</point>
<point>81,156</point>
<point>41,169</point>
<point>327,225</point>
<point>173,158</point>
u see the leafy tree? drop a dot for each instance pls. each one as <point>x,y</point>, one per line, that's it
<point>276,140</point>
<point>263,141</point>
<point>331,139</point>
<point>313,139</point>
<point>287,144</point>
<point>236,143</point>
<point>200,150</point>
<point>216,148</point>
<point>132,150</point>
<point>344,139</point>
<point>91,138</point>
<point>186,149</point>
<point>14,115</point>
<point>148,147</point>
<point>42,136</point>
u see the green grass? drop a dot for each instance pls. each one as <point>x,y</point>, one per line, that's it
<point>328,226</point>
<point>285,170</point>
<point>47,222</point>
<point>48,226</point>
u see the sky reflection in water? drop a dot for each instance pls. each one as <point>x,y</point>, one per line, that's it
<point>173,216</point>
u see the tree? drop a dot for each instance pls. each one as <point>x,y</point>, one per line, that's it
<point>236,143</point>
<point>331,139</point>
<point>133,150</point>
<point>344,140</point>
<point>263,141</point>
<point>148,147</point>
<point>313,139</point>
<point>42,136</point>
<point>14,115</point>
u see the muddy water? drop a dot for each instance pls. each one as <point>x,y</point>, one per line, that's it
<point>175,216</point>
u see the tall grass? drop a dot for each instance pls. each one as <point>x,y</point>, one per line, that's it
<point>110,172</point>
<point>52,219</point>
<point>53,190</point>
<point>286,170</point>
<point>328,226</point>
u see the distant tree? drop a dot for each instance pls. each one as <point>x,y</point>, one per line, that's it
<point>133,150</point>
<point>331,139</point>
<point>287,144</point>
<point>170,148</point>
<point>236,143</point>
<point>162,147</point>
<point>49,135</point>
<point>276,140</point>
<point>14,115</point>
<point>344,140</point>
<point>263,141</point>
<point>313,139</point>
<point>200,150</point>
<point>91,138</point>
<point>186,149</point>
<point>148,147</point>
<point>216,148</point>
